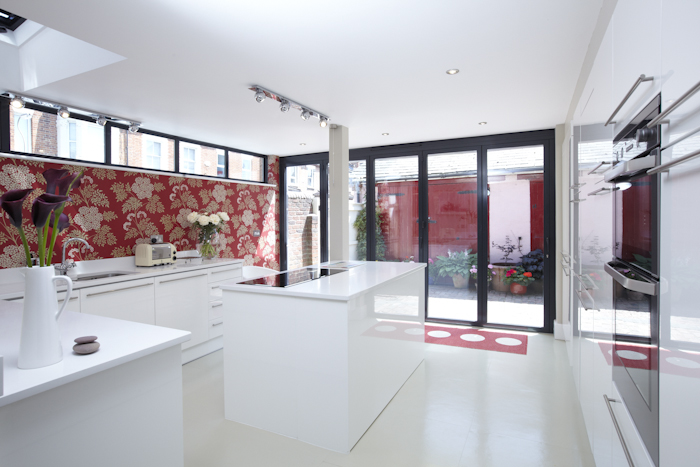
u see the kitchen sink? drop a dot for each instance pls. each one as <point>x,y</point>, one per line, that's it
<point>101,275</point>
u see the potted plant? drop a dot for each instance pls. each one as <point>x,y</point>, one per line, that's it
<point>507,248</point>
<point>518,279</point>
<point>432,271</point>
<point>534,262</point>
<point>474,274</point>
<point>456,265</point>
<point>40,342</point>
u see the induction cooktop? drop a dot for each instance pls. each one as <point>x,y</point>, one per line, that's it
<point>293,277</point>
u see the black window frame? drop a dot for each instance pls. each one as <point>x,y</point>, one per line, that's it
<point>5,145</point>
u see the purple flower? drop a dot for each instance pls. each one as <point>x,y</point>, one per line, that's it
<point>43,207</point>
<point>52,177</point>
<point>11,202</point>
<point>69,181</point>
<point>491,267</point>
<point>63,222</point>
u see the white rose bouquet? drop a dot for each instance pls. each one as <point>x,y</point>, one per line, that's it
<point>207,225</point>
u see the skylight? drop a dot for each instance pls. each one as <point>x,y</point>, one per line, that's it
<point>9,21</point>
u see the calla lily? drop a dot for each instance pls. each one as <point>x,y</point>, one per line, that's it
<point>11,202</point>
<point>52,177</point>
<point>43,207</point>
<point>68,182</point>
<point>63,222</point>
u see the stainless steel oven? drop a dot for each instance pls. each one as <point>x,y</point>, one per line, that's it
<point>635,271</point>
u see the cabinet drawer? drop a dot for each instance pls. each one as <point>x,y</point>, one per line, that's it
<point>224,274</point>
<point>130,300</point>
<point>216,309</point>
<point>73,302</point>
<point>216,327</point>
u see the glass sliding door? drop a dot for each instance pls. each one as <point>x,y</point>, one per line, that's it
<point>396,209</point>
<point>516,236</point>
<point>453,236</point>
<point>303,200</point>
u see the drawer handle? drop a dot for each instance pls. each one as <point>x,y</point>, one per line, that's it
<point>673,163</point>
<point>688,94</point>
<point>617,428</point>
<point>640,80</point>
<point>118,290</point>
<point>217,305</point>
<point>217,324</point>
<point>181,278</point>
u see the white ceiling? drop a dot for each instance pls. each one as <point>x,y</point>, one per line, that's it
<point>373,66</point>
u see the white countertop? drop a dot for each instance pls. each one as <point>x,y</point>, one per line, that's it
<point>13,287</point>
<point>120,342</point>
<point>344,286</point>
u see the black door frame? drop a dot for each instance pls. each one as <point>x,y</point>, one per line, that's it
<point>422,150</point>
<point>296,161</point>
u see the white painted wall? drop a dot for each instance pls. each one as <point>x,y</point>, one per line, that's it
<point>509,215</point>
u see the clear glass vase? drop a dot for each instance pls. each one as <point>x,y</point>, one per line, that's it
<point>208,246</point>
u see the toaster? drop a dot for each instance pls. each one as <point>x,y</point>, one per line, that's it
<point>154,254</point>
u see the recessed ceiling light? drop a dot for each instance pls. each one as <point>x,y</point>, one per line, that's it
<point>483,123</point>
<point>385,134</point>
<point>302,144</point>
<point>453,71</point>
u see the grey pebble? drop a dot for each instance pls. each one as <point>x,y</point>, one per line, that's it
<point>85,340</point>
<point>84,349</point>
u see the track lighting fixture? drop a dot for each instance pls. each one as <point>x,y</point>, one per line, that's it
<point>259,96</point>
<point>287,104</point>
<point>17,102</point>
<point>63,111</point>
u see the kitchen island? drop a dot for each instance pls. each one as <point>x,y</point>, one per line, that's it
<point>320,359</point>
<point>119,406</point>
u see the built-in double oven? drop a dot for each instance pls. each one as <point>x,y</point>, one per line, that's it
<point>635,270</point>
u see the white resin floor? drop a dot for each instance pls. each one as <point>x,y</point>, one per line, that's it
<point>461,407</point>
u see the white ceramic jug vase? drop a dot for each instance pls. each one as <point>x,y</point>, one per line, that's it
<point>40,342</point>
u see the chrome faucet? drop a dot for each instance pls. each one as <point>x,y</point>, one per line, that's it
<point>63,265</point>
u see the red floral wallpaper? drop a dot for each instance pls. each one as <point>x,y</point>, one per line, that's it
<point>115,210</point>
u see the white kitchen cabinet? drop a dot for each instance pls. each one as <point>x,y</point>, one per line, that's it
<point>129,300</point>
<point>73,301</point>
<point>636,41</point>
<point>182,302</point>
<point>679,340</point>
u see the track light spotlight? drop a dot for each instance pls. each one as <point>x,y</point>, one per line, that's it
<point>134,127</point>
<point>259,96</point>
<point>63,112</point>
<point>101,120</point>
<point>17,102</point>
<point>305,114</point>
<point>285,106</point>
<point>324,122</point>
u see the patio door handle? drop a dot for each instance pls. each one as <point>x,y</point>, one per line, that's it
<point>546,244</point>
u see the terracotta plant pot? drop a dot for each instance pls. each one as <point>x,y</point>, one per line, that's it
<point>497,282</point>
<point>460,281</point>
<point>517,289</point>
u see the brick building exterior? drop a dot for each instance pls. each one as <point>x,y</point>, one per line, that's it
<point>303,231</point>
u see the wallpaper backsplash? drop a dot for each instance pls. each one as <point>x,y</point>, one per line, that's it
<point>115,210</point>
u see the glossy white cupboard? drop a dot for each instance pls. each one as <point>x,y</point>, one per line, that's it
<point>654,38</point>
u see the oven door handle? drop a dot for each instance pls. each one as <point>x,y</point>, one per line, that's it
<point>644,287</point>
